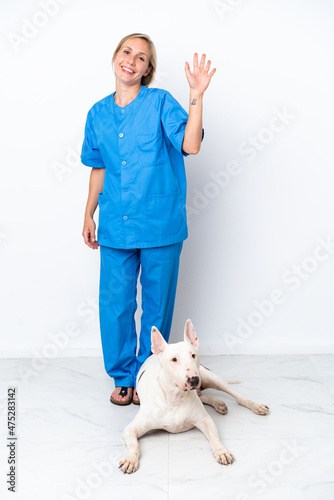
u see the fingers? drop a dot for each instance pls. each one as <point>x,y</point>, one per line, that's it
<point>87,239</point>
<point>212,72</point>
<point>201,75</point>
<point>88,234</point>
<point>93,242</point>
<point>94,245</point>
<point>202,65</point>
<point>188,72</point>
<point>207,67</point>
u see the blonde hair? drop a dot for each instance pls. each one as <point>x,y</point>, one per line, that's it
<point>146,80</point>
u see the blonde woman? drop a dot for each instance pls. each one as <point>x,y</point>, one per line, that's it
<point>135,142</point>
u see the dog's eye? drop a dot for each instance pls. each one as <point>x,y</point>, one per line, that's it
<point>194,356</point>
<point>174,360</point>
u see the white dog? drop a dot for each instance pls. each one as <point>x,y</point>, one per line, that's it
<point>169,385</point>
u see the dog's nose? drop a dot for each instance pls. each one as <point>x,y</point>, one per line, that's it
<point>193,381</point>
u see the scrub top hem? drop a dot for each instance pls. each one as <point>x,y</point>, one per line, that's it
<point>139,245</point>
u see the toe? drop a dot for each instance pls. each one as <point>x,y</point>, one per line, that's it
<point>128,396</point>
<point>116,396</point>
<point>135,396</point>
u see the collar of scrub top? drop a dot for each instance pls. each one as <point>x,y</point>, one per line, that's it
<point>132,105</point>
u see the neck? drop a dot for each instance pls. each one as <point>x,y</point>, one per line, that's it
<point>172,393</point>
<point>126,93</point>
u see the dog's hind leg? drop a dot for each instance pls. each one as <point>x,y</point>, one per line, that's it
<point>217,404</point>
<point>213,381</point>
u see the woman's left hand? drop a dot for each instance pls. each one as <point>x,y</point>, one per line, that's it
<point>200,78</point>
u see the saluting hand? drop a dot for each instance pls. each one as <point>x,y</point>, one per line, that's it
<point>200,78</point>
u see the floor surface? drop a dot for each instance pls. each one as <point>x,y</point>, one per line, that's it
<point>69,435</point>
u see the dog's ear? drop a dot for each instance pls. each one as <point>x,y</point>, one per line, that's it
<point>158,342</point>
<point>190,334</point>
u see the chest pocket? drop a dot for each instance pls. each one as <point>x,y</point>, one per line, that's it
<point>150,150</point>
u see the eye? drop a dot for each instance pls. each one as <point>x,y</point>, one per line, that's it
<point>126,52</point>
<point>174,360</point>
<point>193,355</point>
<point>141,58</point>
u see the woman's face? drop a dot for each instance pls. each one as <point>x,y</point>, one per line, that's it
<point>132,61</point>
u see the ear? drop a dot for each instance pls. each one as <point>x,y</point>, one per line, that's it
<point>148,71</point>
<point>190,334</point>
<point>158,342</point>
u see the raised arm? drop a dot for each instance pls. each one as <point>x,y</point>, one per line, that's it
<point>198,81</point>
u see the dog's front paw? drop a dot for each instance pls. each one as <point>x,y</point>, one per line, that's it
<point>260,409</point>
<point>223,456</point>
<point>220,407</point>
<point>129,465</point>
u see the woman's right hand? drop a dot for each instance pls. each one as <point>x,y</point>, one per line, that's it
<point>88,233</point>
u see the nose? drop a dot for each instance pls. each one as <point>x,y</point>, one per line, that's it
<point>193,381</point>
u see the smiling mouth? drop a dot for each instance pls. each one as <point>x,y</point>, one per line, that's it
<point>127,70</point>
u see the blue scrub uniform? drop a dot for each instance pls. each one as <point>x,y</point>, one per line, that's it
<point>142,219</point>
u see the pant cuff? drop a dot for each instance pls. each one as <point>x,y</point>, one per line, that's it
<point>124,382</point>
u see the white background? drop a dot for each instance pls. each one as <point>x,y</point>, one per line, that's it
<point>247,238</point>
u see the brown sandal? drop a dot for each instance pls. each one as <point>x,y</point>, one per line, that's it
<point>122,392</point>
<point>137,400</point>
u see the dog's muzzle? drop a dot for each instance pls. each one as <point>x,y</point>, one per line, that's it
<point>193,381</point>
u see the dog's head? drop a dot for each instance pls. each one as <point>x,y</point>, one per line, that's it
<point>180,360</point>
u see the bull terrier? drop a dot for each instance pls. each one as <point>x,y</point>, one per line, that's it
<point>169,385</point>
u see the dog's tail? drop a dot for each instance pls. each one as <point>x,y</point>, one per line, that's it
<point>233,380</point>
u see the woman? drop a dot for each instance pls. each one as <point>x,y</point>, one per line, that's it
<point>135,141</point>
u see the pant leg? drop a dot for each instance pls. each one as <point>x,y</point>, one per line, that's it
<point>117,306</point>
<point>159,273</point>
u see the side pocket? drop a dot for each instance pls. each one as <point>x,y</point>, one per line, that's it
<point>165,213</point>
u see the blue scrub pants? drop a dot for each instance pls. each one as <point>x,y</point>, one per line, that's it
<point>117,305</point>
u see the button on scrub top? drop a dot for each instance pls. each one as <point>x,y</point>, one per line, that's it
<point>142,204</point>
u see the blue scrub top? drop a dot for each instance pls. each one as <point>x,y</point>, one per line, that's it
<point>142,204</point>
